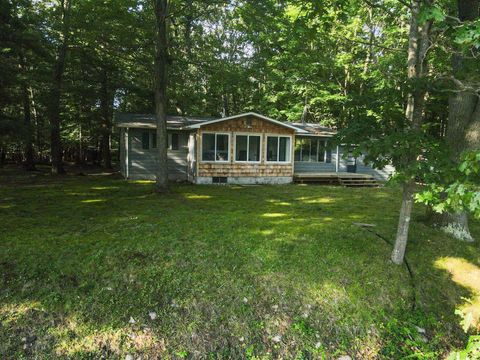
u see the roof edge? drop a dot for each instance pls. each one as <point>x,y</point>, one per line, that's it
<point>251,113</point>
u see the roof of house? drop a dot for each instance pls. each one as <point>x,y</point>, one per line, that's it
<point>148,121</point>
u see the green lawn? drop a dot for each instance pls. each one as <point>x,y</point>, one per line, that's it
<point>229,271</point>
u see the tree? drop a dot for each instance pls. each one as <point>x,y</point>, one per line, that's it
<point>463,128</point>
<point>418,43</point>
<point>161,72</point>
<point>64,8</point>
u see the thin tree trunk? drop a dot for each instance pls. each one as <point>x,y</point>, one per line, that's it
<point>106,127</point>
<point>418,42</point>
<point>29,163</point>
<point>56,93</point>
<point>463,127</point>
<point>161,58</point>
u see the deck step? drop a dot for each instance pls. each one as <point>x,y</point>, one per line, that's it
<point>343,179</point>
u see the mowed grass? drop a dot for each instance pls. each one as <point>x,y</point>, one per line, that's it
<point>95,266</point>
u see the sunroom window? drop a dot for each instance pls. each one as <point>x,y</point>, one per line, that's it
<point>311,150</point>
<point>278,148</point>
<point>247,148</point>
<point>215,147</point>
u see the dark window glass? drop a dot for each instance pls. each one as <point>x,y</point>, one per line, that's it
<point>208,147</point>
<point>314,155</point>
<point>222,147</point>
<point>174,145</point>
<point>154,139</point>
<point>272,148</point>
<point>329,155</point>
<point>284,149</point>
<point>306,149</point>
<point>145,140</point>
<point>254,148</point>
<point>241,148</point>
<point>321,151</point>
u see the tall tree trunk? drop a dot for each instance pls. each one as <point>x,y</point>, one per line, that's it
<point>161,58</point>
<point>418,42</point>
<point>106,128</point>
<point>29,163</point>
<point>27,120</point>
<point>56,92</point>
<point>463,126</point>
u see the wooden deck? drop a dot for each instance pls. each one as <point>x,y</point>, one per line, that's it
<point>334,178</point>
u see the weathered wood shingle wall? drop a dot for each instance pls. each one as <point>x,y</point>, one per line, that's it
<point>250,125</point>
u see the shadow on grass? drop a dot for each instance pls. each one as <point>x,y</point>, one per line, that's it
<point>265,269</point>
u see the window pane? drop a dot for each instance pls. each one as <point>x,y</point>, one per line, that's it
<point>174,141</point>
<point>298,149</point>
<point>154,139</point>
<point>321,151</point>
<point>329,154</point>
<point>306,149</point>
<point>313,150</point>
<point>254,148</point>
<point>284,154</point>
<point>272,148</point>
<point>222,147</point>
<point>145,140</point>
<point>208,147</point>
<point>241,148</point>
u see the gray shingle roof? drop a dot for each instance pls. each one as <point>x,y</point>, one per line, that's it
<point>148,121</point>
<point>183,122</point>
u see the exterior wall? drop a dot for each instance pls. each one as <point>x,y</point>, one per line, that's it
<point>262,172</point>
<point>379,174</point>
<point>143,162</point>
<point>122,152</point>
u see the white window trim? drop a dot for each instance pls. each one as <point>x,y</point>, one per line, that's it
<point>228,148</point>
<point>278,149</point>
<point>324,152</point>
<point>248,148</point>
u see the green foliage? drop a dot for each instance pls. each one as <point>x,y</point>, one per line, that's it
<point>471,351</point>
<point>455,189</point>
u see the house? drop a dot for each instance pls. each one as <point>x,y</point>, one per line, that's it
<point>247,148</point>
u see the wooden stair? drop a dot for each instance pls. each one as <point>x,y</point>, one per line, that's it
<point>360,181</point>
<point>343,179</point>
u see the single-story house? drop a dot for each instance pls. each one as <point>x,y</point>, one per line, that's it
<point>247,148</point>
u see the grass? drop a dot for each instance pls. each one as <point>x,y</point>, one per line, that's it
<point>260,272</point>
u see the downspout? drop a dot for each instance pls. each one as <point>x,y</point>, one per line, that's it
<point>337,160</point>
<point>127,150</point>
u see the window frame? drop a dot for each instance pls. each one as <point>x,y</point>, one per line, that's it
<point>318,139</point>
<point>289,152</point>
<point>215,154</point>
<point>248,148</point>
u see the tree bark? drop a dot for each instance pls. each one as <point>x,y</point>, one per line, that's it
<point>27,120</point>
<point>106,128</point>
<point>161,58</point>
<point>56,92</point>
<point>463,126</point>
<point>29,162</point>
<point>418,42</point>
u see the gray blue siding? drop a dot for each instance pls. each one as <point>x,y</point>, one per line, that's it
<point>142,162</point>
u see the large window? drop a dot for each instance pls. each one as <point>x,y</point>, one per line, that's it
<point>215,147</point>
<point>247,148</point>
<point>278,148</point>
<point>312,150</point>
